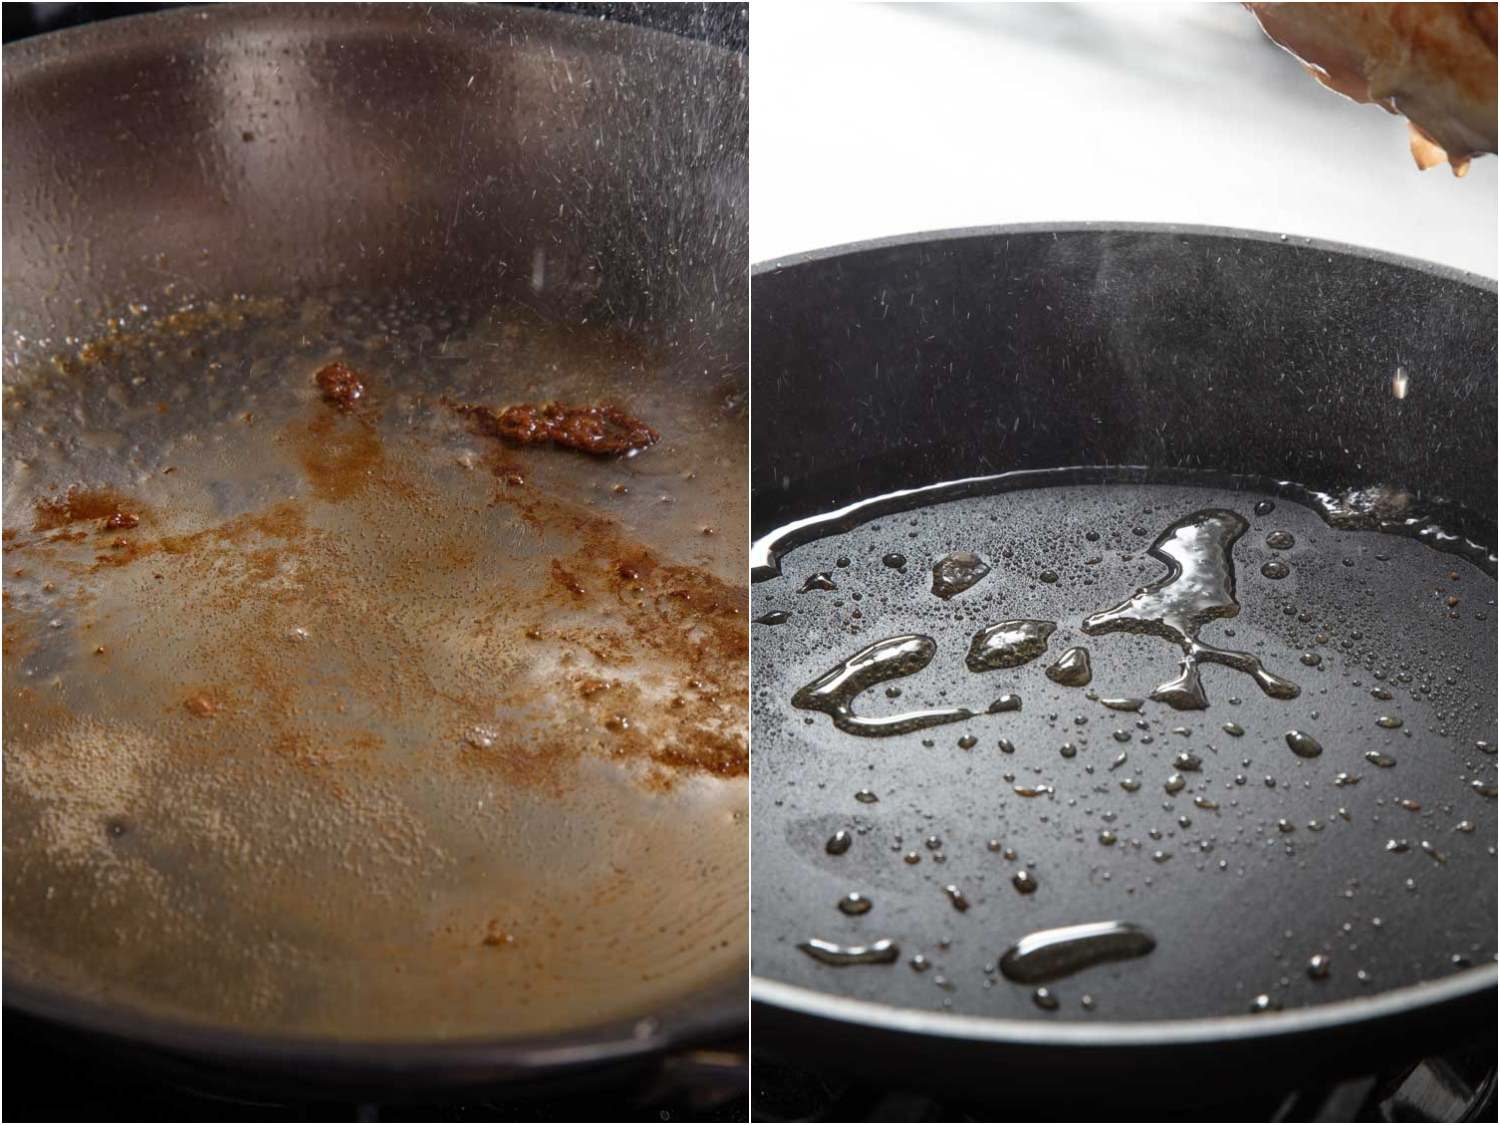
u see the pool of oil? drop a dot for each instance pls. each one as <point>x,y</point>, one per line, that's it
<point>356,722</point>
<point>1180,750</point>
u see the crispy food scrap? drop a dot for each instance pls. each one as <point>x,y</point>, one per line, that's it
<point>1435,63</point>
<point>341,385</point>
<point>604,431</point>
<point>78,505</point>
<point>496,934</point>
<point>202,705</point>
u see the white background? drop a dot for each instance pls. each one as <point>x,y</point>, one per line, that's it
<point>879,119</point>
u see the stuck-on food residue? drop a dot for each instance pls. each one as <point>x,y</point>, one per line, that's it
<point>604,431</point>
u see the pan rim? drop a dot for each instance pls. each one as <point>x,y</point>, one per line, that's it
<point>25,56</point>
<point>719,1009</point>
<point>867,1014</point>
<point>1107,226</point>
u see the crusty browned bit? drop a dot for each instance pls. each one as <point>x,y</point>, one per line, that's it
<point>202,705</point>
<point>78,505</point>
<point>496,934</point>
<point>604,431</point>
<point>341,385</point>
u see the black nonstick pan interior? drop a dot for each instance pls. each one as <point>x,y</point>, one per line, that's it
<point>1334,413</point>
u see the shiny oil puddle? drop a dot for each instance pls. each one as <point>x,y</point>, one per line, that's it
<point>1218,705</point>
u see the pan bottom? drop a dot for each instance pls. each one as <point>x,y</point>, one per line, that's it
<point>330,715</point>
<point>1241,734</point>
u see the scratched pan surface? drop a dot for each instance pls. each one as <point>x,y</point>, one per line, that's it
<point>1246,377</point>
<point>358,727</point>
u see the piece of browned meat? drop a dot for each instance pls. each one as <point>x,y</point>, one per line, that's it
<point>1435,63</point>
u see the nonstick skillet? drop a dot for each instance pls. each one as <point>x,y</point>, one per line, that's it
<point>1073,405</point>
<point>349,731</point>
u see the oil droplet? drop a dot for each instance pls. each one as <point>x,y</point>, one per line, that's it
<point>1129,784</point>
<point>1044,1000</point>
<point>894,560</point>
<point>1275,569</point>
<point>1008,644</point>
<point>855,903</point>
<point>956,897</point>
<point>1175,783</point>
<point>1345,779</point>
<point>820,581</point>
<point>1197,589</point>
<point>1048,576</point>
<point>1206,803</point>
<point>1397,847</point>
<point>967,742</point>
<point>1107,838</point>
<point>1024,881</point>
<point>1376,758</point>
<point>1048,955</point>
<point>1389,722</point>
<point>775,617</point>
<point>1303,745</point>
<point>1188,763</point>
<point>1311,659</point>
<point>1007,746</point>
<point>833,693</point>
<point>881,952</point>
<point>1006,702</point>
<point>1280,541</point>
<point>1234,730</point>
<point>1265,507</point>
<point>1123,704</point>
<point>1380,693</point>
<point>955,573</point>
<point>1071,669</point>
<point>866,797</point>
<point>838,843</point>
<point>1318,966</point>
<point>1033,790</point>
<point>919,964</point>
<point>1264,1003</point>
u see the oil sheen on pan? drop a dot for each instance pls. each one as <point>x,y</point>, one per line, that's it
<point>1195,747</point>
<point>331,711</point>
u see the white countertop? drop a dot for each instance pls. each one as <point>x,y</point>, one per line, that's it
<point>880,119</point>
